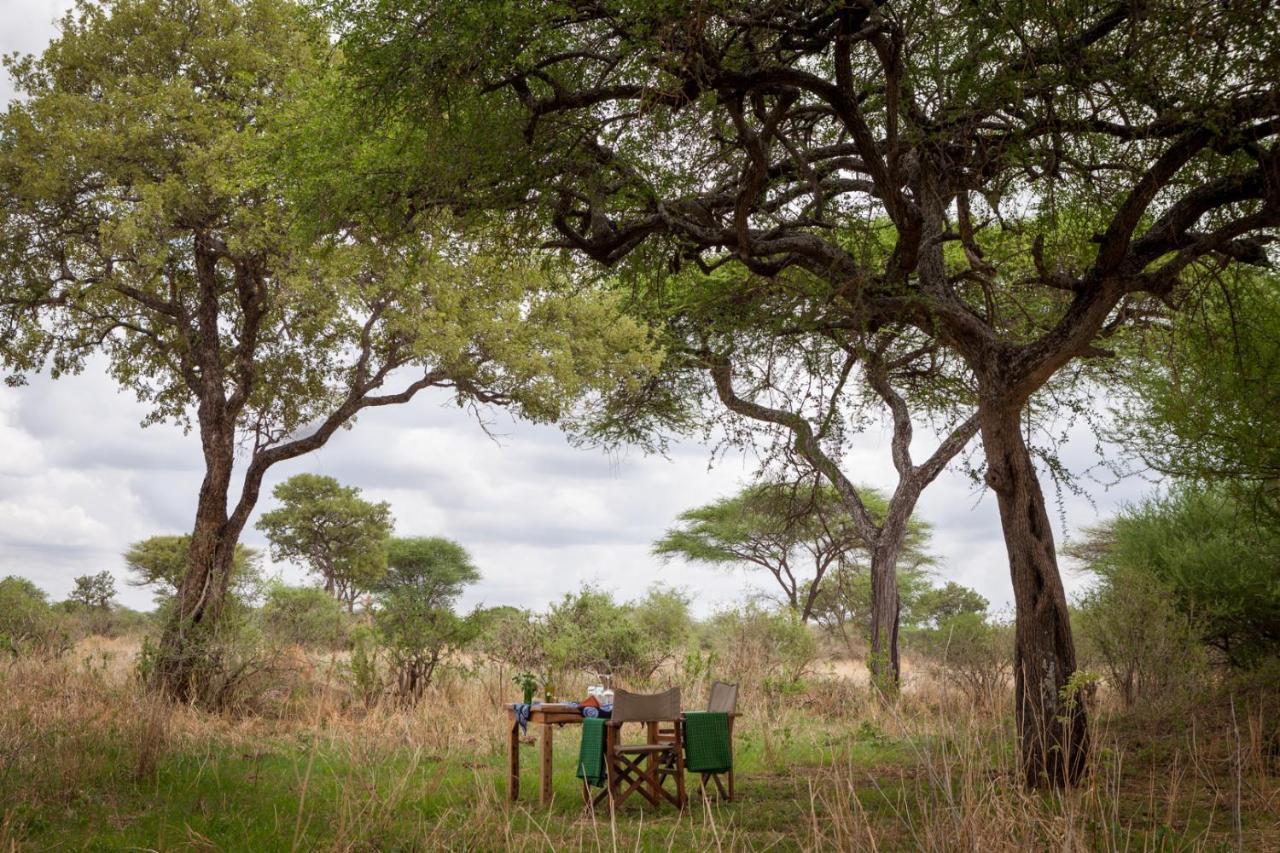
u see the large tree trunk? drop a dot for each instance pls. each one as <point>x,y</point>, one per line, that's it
<point>884,662</point>
<point>185,646</point>
<point>1051,724</point>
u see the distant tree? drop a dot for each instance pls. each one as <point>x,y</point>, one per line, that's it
<point>843,603</point>
<point>332,531</point>
<point>95,591</point>
<point>796,531</point>
<point>935,605</point>
<point>414,616</point>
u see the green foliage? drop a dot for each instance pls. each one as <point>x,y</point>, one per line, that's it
<point>753,643</point>
<point>161,561</point>
<point>796,531</point>
<point>414,614</point>
<point>972,653</point>
<point>589,631</point>
<point>1218,566</point>
<point>516,639</point>
<point>1203,405</point>
<point>1131,631</point>
<point>663,618</point>
<point>303,615</point>
<point>933,605</point>
<point>332,531</point>
<point>364,673</point>
<point>94,590</point>
<point>80,621</point>
<point>27,623</point>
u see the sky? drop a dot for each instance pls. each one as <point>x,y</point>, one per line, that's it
<point>80,480</point>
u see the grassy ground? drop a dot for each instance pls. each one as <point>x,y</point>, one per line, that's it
<point>87,762</point>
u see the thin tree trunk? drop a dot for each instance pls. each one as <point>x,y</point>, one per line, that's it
<point>1052,727</point>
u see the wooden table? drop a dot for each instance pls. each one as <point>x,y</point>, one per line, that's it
<point>548,717</point>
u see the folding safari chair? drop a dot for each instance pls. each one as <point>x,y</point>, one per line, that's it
<point>723,699</point>
<point>644,767</point>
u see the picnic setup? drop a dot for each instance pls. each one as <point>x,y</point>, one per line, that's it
<point>632,743</point>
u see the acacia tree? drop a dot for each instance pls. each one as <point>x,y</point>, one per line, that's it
<point>144,219</point>
<point>1013,184</point>
<point>336,533</point>
<point>796,531</point>
<point>815,414</point>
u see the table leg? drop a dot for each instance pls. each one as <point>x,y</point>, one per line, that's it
<point>547,743</point>
<point>513,760</point>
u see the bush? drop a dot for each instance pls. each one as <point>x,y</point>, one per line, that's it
<point>415,621</point>
<point>27,623</point>
<point>304,616</point>
<point>517,639</point>
<point>971,653</point>
<point>1213,557</point>
<point>1130,630</point>
<point>80,621</point>
<point>753,644</point>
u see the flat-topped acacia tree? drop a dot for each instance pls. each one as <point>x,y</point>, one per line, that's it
<point>1014,181</point>
<point>144,222</point>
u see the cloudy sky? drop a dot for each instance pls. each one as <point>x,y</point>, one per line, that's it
<point>80,480</point>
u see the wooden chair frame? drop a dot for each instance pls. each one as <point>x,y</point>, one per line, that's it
<point>643,768</point>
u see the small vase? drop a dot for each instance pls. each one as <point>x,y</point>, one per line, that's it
<point>528,694</point>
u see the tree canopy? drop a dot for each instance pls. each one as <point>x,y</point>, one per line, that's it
<point>1014,184</point>
<point>796,531</point>
<point>146,216</point>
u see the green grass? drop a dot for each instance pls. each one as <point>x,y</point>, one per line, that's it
<point>89,763</point>
<point>339,791</point>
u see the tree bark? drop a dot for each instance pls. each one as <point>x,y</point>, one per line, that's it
<point>1052,728</point>
<point>885,664</point>
<point>200,597</point>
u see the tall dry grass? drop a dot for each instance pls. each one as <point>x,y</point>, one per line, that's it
<point>833,768</point>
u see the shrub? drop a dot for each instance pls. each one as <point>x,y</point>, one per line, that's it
<point>589,631</point>
<point>305,616</point>
<point>753,644</point>
<point>1131,631</point>
<point>971,653</point>
<point>27,623</point>
<point>80,621</point>
<point>517,639</point>
<point>1215,559</point>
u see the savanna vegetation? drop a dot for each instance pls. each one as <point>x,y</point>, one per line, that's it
<point>776,226</point>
